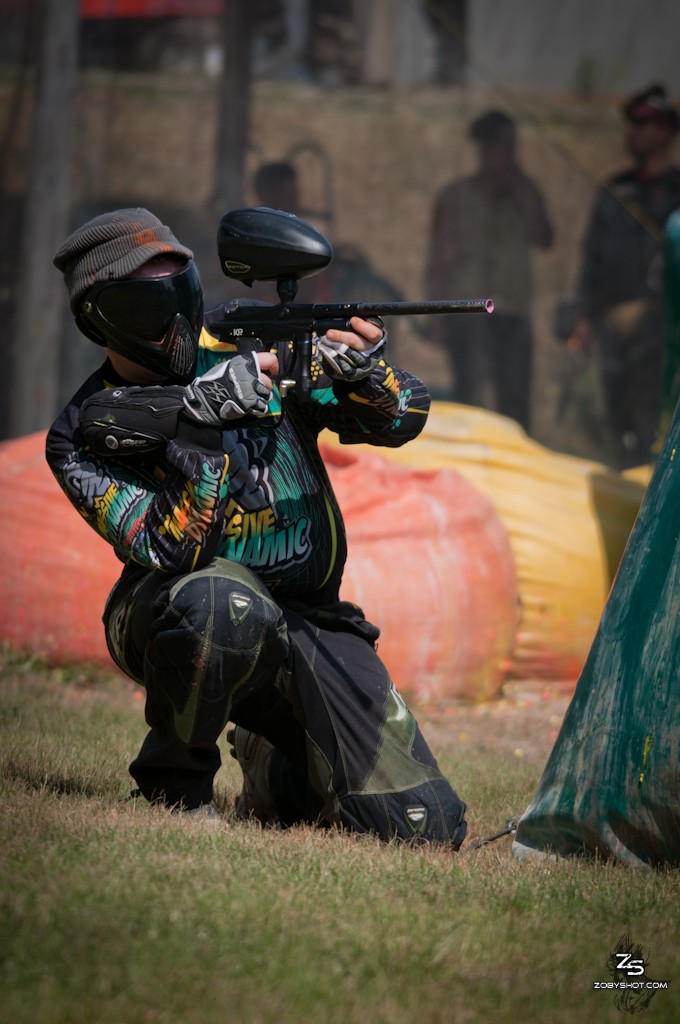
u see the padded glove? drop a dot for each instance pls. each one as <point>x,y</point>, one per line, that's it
<point>344,363</point>
<point>228,391</point>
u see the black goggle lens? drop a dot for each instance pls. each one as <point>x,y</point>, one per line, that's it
<point>146,308</point>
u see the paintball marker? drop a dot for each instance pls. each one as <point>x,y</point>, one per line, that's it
<point>262,244</point>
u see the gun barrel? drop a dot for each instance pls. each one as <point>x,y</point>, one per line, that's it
<point>403,308</point>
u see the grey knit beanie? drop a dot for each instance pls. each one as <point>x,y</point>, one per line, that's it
<point>111,246</point>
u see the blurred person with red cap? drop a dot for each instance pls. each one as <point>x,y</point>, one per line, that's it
<point>619,294</point>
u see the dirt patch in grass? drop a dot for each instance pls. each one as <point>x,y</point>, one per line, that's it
<point>524,721</point>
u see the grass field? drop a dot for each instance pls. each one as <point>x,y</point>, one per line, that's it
<point>115,913</point>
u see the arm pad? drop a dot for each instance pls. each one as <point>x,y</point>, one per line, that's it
<point>131,421</point>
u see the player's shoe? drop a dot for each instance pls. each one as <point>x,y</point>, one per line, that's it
<point>254,754</point>
<point>204,812</point>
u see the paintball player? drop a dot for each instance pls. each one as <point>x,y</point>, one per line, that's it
<point>217,503</point>
<point>619,294</point>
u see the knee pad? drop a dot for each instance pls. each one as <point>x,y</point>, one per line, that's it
<point>220,630</point>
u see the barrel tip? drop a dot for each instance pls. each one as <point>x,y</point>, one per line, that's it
<point>489,305</point>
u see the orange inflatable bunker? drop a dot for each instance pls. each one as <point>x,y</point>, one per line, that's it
<point>56,571</point>
<point>430,562</point>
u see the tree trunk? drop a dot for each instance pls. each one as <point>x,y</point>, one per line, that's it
<point>233,105</point>
<point>380,42</point>
<point>40,293</point>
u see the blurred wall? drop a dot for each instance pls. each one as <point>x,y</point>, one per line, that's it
<point>372,102</point>
<point>605,46</point>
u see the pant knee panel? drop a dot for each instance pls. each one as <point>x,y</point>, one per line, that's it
<point>432,812</point>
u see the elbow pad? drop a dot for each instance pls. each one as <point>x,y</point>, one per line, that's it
<point>131,421</point>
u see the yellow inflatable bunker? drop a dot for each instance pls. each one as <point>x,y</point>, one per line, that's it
<point>568,521</point>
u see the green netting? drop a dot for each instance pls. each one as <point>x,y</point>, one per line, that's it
<point>611,786</point>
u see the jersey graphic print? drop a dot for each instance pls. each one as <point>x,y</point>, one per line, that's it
<point>272,523</point>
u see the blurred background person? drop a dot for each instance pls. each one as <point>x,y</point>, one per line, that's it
<point>276,185</point>
<point>483,229</point>
<point>351,277</point>
<point>619,293</point>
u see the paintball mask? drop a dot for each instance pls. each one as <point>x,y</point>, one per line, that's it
<point>155,322</point>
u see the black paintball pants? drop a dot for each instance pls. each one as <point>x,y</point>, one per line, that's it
<point>213,646</point>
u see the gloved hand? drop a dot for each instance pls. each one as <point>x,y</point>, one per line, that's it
<point>341,362</point>
<point>228,391</point>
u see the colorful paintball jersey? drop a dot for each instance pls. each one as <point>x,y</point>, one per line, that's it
<point>264,500</point>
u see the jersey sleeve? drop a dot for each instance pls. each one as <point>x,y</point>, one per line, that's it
<point>164,515</point>
<point>386,409</point>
